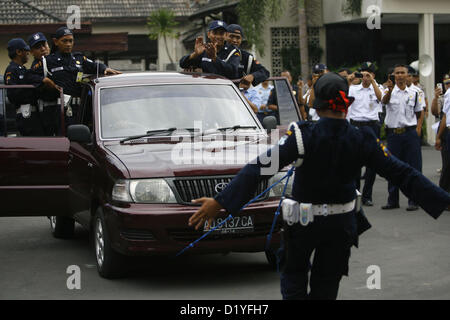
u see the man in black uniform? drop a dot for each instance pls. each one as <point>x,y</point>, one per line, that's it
<point>215,56</point>
<point>250,69</point>
<point>47,91</point>
<point>66,69</point>
<point>27,117</point>
<point>328,157</point>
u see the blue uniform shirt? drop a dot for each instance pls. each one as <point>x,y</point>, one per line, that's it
<point>226,64</point>
<point>64,69</point>
<point>17,75</point>
<point>335,151</point>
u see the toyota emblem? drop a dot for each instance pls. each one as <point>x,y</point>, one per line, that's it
<point>220,187</point>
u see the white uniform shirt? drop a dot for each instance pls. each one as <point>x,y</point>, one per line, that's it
<point>366,105</point>
<point>401,109</point>
<point>421,97</point>
<point>312,112</point>
<point>446,108</point>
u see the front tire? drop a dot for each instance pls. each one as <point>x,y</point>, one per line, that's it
<point>62,227</point>
<point>110,264</point>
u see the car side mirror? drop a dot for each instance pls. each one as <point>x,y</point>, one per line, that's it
<point>79,133</point>
<point>270,123</point>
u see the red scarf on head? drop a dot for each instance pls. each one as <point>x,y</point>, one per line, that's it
<point>340,103</point>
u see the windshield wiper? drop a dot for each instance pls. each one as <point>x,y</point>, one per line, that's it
<point>148,134</point>
<point>236,127</point>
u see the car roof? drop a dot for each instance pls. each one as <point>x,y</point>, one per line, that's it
<point>149,78</point>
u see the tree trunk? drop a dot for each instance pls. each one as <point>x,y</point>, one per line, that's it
<point>167,50</point>
<point>303,39</point>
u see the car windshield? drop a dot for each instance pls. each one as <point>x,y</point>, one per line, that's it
<point>129,111</point>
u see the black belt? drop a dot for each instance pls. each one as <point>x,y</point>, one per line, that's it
<point>363,123</point>
<point>400,130</point>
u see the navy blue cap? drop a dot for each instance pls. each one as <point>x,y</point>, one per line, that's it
<point>412,71</point>
<point>328,87</point>
<point>235,28</point>
<point>216,24</point>
<point>367,66</point>
<point>36,38</point>
<point>63,31</point>
<point>318,68</point>
<point>17,44</point>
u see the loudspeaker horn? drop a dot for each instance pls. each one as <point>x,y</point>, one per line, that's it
<point>425,65</point>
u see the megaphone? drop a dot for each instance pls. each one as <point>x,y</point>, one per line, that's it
<point>425,65</point>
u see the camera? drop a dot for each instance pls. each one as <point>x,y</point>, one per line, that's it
<point>358,75</point>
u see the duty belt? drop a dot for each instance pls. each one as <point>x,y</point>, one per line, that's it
<point>400,130</point>
<point>363,123</point>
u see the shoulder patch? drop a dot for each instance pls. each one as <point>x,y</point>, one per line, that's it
<point>385,150</point>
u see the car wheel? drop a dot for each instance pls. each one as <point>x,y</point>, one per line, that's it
<point>272,259</point>
<point>109,262</point>
<point>62,227</point>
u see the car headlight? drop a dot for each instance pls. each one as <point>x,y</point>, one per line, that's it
<point>277,191</point>
<point>143,191</point>
<point>151,191</point>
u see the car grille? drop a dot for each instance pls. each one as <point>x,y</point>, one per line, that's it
<point>189,189</point>
<point>190,235</point>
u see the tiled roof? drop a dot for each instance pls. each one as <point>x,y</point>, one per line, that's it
<point>19,12</point>
<point>50,11</point>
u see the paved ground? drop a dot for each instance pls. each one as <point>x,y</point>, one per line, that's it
<point>411,250</point>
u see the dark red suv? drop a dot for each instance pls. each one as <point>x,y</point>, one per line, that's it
<point>145,145</point>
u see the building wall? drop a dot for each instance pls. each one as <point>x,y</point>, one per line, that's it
<point>332,9</point>
<point>175,46</point>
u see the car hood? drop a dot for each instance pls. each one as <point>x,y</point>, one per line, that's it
<point>168,159</point>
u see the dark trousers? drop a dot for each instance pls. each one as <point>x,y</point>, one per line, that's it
<point>406,147</point>
<point>50,119</point>
<point>370,174</point>
<point>444,181</point>
<point>31,126</point>
<point>330,238</point>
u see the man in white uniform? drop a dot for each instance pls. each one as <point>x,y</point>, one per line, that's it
<point>404,116</point>
<point>364,112</point>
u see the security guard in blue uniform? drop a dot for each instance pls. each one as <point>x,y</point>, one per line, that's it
<point>47,91</point>
<point>250,69</point>
<point>216,56</point>
<point>27,116</point>
<point>66,69</point>
<point>328,155</point>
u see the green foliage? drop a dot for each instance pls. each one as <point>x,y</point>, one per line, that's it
<point>253,15</point>
<point>161,23</point>
<point>352,7</point>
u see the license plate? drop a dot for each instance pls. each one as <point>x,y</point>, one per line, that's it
<point>241,224</point>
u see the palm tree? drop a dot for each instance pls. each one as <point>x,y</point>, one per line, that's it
<point>161,23</point>
<point>303,39</point>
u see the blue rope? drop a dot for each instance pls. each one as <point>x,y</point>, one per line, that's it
<point>288,174</point>
<point>277,213</point>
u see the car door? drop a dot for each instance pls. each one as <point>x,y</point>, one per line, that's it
<point>288,110</point>
<point>33,171</point>
<point>82,164</point>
